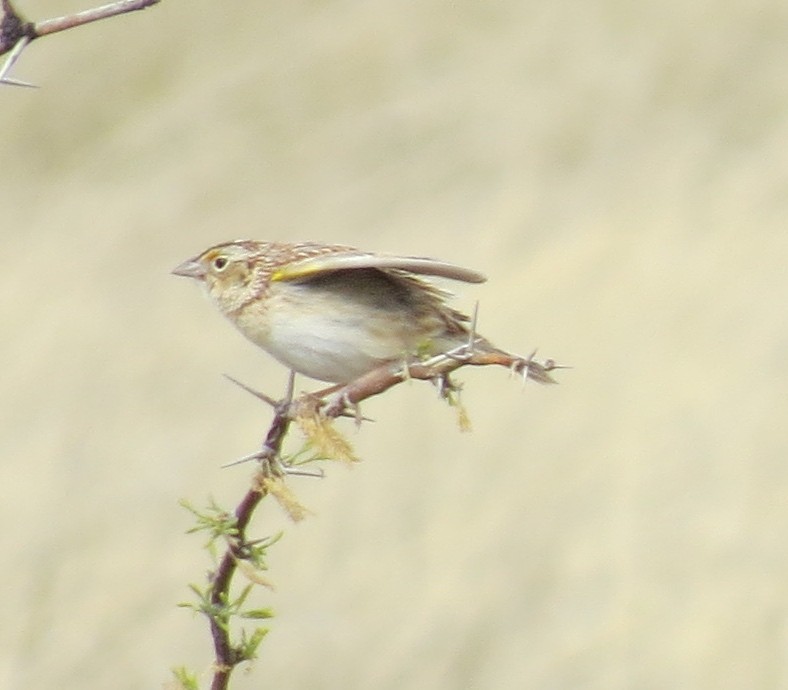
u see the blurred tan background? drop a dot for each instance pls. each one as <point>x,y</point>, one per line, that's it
<point>620,172</point>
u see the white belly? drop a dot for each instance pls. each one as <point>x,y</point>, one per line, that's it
<point>324,349</point>
<point>298,331</point>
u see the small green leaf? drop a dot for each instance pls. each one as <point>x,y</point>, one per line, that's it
<point>258,614</point>
<point>185,679</point>
<point>249,645</point>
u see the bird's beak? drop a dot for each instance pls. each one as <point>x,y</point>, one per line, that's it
<point>190,269</point>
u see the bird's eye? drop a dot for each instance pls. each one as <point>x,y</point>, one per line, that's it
<point>219,263</point>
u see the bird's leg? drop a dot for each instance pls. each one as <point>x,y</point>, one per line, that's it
<point>345,398</point>
<point>340,403</point>
<point>335,402</point>
<point>446,386</point>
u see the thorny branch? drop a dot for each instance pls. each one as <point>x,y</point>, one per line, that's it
<point>437,370</point>
<point>228,656</point>
<point>16,32</point>
<point>332,402</point>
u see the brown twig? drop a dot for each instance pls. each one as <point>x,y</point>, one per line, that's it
<point>16,33</point>
<point>51,26</point>
<point>334,402</point>
<point>436,369</point>
<point>227,657</point>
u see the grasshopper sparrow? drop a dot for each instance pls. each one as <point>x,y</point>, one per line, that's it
<point>335,313</point>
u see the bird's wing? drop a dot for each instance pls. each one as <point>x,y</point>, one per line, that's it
<point>346,261</point>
